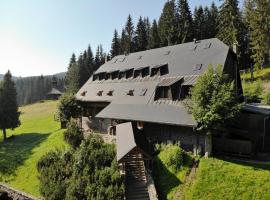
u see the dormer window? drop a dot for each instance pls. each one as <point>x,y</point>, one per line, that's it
<point>83,93</point>
<point>128,73</point>
<point>110,93</point>
<point>130,93</point>
<point>160,70</point>
<point>100,93</point>
<point>115,75</point>
<point>163,93</point>
<point>141,72</point>
<point>99,76</point>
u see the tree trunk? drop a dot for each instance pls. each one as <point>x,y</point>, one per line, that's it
<point>252,72</point>
<point>5,134</point>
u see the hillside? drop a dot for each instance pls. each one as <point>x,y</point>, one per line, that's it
<point>38,134</point>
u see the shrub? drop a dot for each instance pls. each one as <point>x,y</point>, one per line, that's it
<point>68,107</point>
<point>266,98</point>
<point>88,172</point>
<point>172,156</point>
<point>73,135</point>
<point>252,91</point>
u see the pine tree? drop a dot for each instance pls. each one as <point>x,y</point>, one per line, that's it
<point>212,22</point>
<point>100,57</point>
<point>123,42</point>
<point>72,76</point>
<point>168,24</point>
<point>257,14</point>
<point>148,29</point>
<point>141,36</point>
<point>229,22</point>
<point>9,114</point>
<point>116,47</point>
<point>199,23</point>
<point>90,61</point>
<point>129,28</point>
<point>185,24</point>
<point>154,41</point>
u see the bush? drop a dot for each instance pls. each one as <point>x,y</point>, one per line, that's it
<point>252,91</point>
<point>88,172</point>
<point>266,98</point>
<point>73,135</point>
<point>68,107</point>
<point>171,156</point>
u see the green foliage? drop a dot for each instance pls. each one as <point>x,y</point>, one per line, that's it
<point>214,101</point>
<point>116,47</point>
<point>141,40</point>
<point>221,179</point>
<point>67,107</point>
<point>257,15</point>
<point>252,91</point>
<point>266,98</point>
<point>154,41</point>
<point>170,168</point>
<point>73,135</point>
<point>9,114</point>
<point>72,76</point>
<point>89,172</point>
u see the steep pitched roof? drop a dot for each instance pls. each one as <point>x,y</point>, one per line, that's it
<point>55,91</point>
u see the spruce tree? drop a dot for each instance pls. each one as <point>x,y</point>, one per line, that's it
<point>229,22</point>
<point>123,42</point>
<point>148,29</point>
<point>185,24</point>
<point>168,24</point>
<point>212,22</point>
<point>116,47</point>
<point>129,28</point>
<point>90,61</point>
<point>199,23</point>
<point>141,36</point>
<point>257,13</point>
<point>9,114</point>
<point>154,41</point>
<point>72,76</point>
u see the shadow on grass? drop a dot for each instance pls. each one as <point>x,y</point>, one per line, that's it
<point>165,180</point>
<point>256,165</point>
<point>15,150</point>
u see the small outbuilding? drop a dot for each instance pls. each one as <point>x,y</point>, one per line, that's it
<point>54,94</point>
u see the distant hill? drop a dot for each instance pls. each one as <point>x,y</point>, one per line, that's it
<point>60,75</point>
<point>1,76</point>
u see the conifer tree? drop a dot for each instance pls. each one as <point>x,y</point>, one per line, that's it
<point>168,24</point>
<point>72,76</point>
<point>154,41</point>
<point>141,36</point>
<point>9,114</point>
<point>90,60</point>
<point>185,24</point>
<point>116,47</point>
<point>257,13</point>
<point>129,28</point>
<point>148,29</point>
<point>212,22</point>
<point>229,22</point>
<point>199,23</point>
<point>123,42</point>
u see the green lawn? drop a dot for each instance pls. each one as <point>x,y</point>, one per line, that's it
<point>219,179</point>
<point>38,134</point>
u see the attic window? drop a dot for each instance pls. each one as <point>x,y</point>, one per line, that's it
<point>122,75</point>
<point>163,93</point>
<point>143,92</point>
<point>197,67</point>
<point>142,72</point>
<point>160,70</point>
<point>129,73</point>
<point>167,53</point>
<point>115,75</point>
<point>100,93</point>
<point>110,93</point>
<point>207,45</point>
<point>108,76</point>
<point>130,93</point>
<point>99,76</point>
<point>83,93</point>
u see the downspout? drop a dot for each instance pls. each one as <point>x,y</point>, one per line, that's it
<point>264,131</point>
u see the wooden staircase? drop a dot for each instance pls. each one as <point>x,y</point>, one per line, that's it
<point>136,181</point>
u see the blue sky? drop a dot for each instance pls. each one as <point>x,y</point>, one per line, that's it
<point>38,36</point>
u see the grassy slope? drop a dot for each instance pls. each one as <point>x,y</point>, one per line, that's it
<point>38,134</point>
<point>218,179</point>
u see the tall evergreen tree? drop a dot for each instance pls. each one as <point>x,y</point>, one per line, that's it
<point>72,60</point>
<point>72,76</point>
<point>229,22</point>
<point>116,47</point>
<point>257,13</point>
<point>154,41</point>
<point>129,28</point>
<point>148,29</point>
<point>141,36</point>
<point>123,42</point>
<point>168,24</point>
<point>185,24</point>
<point>199,23</point>
<point>90,61</point>
<point>100,57</point>
<point>9,114</point>
<point>212,22</point>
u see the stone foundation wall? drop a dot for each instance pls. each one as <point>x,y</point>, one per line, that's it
<point>16,194</point>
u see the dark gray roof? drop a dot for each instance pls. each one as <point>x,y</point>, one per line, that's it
<point>55,91</point>
<point>127,138</point>
<point>257,108</point>
<point>156,113</point>
<point>185,64</point>
<point>181,59</point>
